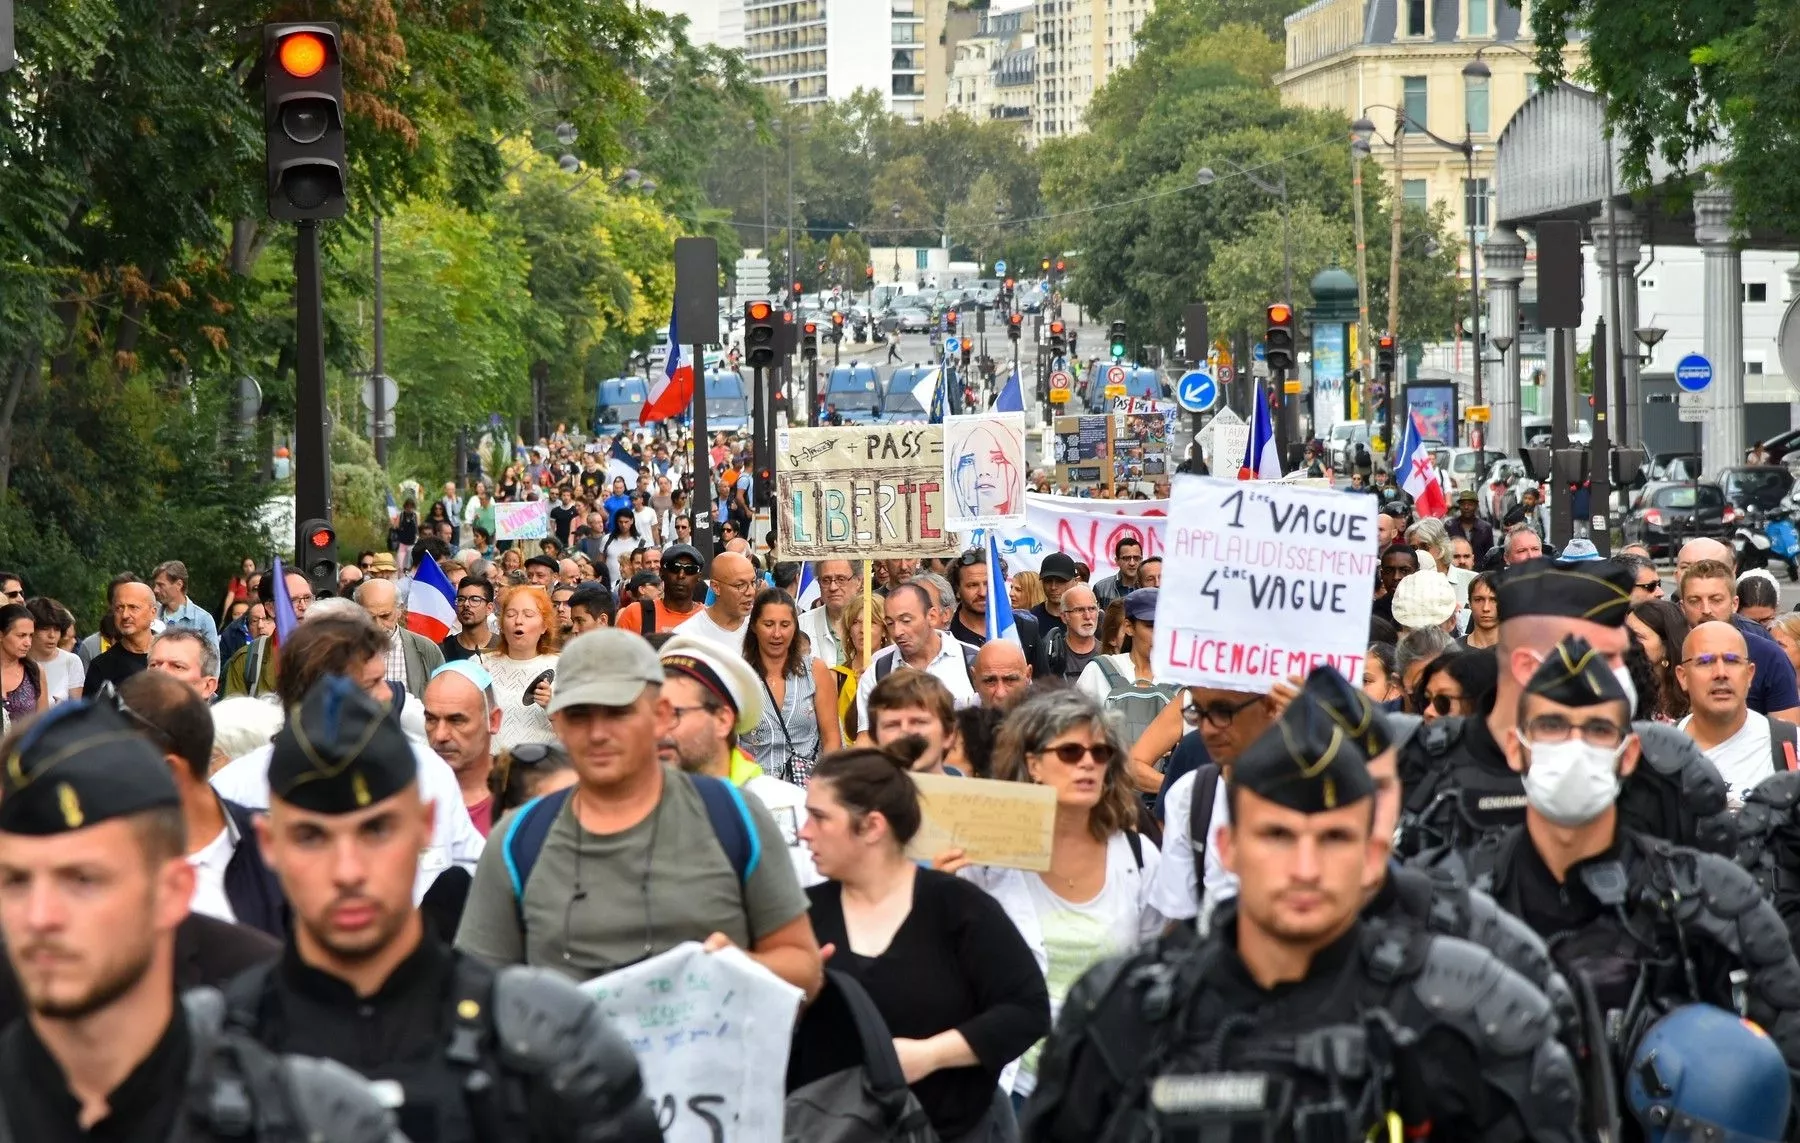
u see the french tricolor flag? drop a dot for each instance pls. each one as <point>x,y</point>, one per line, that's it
<point>431,603</point>
<point>672,395</point>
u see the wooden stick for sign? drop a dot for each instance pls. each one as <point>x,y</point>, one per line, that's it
<point>868,619</point>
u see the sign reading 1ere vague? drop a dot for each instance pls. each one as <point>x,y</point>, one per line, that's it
<point>1263,581</point>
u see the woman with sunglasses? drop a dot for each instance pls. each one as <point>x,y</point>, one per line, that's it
<point>951,976</point>
<point>1092,903</point>
<point>529,770</point>
<point>798,723</point>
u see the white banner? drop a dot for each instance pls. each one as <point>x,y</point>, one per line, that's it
<point>1263,581</point>
<point>709,1031</point>
<point>984,470</point>
<point>1086,530</point>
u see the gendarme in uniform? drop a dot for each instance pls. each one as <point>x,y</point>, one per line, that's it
<point>464,1054</point>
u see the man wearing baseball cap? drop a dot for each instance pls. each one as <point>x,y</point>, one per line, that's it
<point>637,857</point>
<point>1056,573</point>
<point>682,594</point>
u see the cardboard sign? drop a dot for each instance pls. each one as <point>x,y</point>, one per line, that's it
<point>708,1029</point>
<point>1081,449</point>
<point>524,520</point>
<point>984,470</point>
<point>1263,580</point>
<point>1085,529</point>
<point>1010,824</point>
<point>868,492</point>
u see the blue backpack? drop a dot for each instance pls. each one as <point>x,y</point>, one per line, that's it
<point>725,809</point>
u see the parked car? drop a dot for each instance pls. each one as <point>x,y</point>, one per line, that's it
<point>1761,486</point>
<point>1464,467</point>
<point>899,401</point>
<point>1673,467</point>
<point>1665,516</point>
<point>914,319</point>
<point>854,390</point>
<point>1340,446</point>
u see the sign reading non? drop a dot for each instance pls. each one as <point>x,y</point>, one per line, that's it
<point>1263,581</point>
<point>870,492</point>
<point>1693,373</point>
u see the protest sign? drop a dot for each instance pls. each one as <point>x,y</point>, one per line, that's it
<point>1263,580</point>
<point>708,1030</point>
<point>1085,529</point>
<point>868,492</point>
<point>522,520</point>
<point>1141,437</point>
<point>1081,449</point>
<point>1010,824</point>
<point>984,470</point>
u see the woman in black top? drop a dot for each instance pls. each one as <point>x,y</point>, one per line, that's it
<point>951,975</point>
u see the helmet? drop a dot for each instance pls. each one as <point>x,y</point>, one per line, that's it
<point>1701,1072</point>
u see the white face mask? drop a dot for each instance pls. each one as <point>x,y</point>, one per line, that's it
<point>1572,782</point>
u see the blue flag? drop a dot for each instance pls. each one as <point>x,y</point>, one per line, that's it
<point>937,396</point>
<point>1000,624</point>
<point>1012,397</point>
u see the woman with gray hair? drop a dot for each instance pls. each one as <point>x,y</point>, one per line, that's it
<point>1091,903</point>
<point>1429,535</point>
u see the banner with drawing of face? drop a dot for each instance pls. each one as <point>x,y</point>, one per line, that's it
<point>984,470</point>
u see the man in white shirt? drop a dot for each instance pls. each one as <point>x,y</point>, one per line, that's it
<point>921,646</point>
<point>338,638</point>
<point>1715,670</point>
<point>734,585</point>
<point>838,581</point>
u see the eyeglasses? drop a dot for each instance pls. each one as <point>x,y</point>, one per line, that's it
<point>1553,728</point>
<point>681,569</point>
<point>1710,658</point>
<point>299,599</point>
<point>1220,715</point>
<point>970,558</point>
<point>1071,753</point>
<point>831,580</point>
<point>1442,704</point>
<point>683,711</point>
<point>536,753</point>
<point>1654,585</point>
<point>470,600</point>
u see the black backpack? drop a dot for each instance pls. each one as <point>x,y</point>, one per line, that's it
<point>844,1083</point>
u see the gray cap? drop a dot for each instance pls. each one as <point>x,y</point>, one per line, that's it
<point>607,666</point>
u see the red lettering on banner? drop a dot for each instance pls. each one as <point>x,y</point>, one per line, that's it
<point>926,531</point>
<point>1191,650</point>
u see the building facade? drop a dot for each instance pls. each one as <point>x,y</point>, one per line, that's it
<point>1080,43</point>
<point>813,51</point>
<point>715,23</point>
<point>993,74</point>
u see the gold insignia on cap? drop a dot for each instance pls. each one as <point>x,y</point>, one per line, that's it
<point>1330,794</point>
<point>70,804</point>
<point>359,788</point>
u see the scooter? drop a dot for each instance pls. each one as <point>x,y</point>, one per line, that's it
<point>1784,540</point>
<point>1750,542</point>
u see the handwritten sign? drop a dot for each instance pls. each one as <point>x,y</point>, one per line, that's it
<point>1009,824</point>
<point>1263,581</point>
<point>869,492</point>
<point>709,1030</point>
<point>1087,529</point>
<point>522,520</point>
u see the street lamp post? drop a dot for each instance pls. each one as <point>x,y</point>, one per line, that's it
<point>1205,177</point>
<point>895,212</point>
<point>1360,132</point>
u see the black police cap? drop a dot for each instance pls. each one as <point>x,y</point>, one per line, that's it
<point>1346,704</point>
<point>79,765</point>
<point>341,751</point>
<point>1574,674</point>
<point>1307,761</point>
<point>1598,591</point>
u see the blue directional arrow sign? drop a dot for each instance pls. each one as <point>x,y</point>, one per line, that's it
<point>1196,391</point>
<point>1259,352</point>
<point>952,346</point>
<point>999,269</point>
<point>1693,373</point>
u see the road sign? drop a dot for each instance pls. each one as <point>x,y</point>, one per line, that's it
<point>1227,373</point>
<point>1196,391</point>
<point>1259,368</point>
<point>1693,373</point>
<point>1477,413</point>
<point>952,346</point>
<point>1060,383</point>
<point>1259,352</point>
<point>999,269</point>
<point>1291,387</point>
<point>390,393</point>
<point>1115,375</point>
<point>1694,407</point>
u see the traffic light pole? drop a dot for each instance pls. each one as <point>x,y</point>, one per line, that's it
<point>701,504</point>
<point>812,391</point>
<point>312,432</point>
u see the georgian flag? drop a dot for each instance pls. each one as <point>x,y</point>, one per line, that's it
<point>1419,471</point>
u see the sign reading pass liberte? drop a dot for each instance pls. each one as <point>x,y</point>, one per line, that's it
<point>1263,580</point>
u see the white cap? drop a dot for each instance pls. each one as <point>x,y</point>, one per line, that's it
<point>1424,599</point>
<point>726,675</point>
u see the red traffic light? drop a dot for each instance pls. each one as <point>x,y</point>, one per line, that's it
<point>760,311</point>
<point>1016,319</point>
<point>320,538</point>
<point>1385,341</point>
<point>796,287</point>
<point>1060,265</point>
<point>1009,283</point>
<point>869,272</point>
<point>1280,313</point>
<point>811,328</point>
<point>302,54</point>
<point>1056,327</point>
<point>837,318</point>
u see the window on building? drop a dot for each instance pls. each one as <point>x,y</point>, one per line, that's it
<point>1415,17</point>
<point>1475,205</point>
<point>906,60</point>
<point>1475,103</point>
<point>906,85</point>
<point>1412,100</point>
<point>1756,291</point>
<point>1415,194</point>
<point>1753,368</point>
<point>1478,17</point>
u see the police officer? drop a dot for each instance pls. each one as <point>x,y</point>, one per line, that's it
<point>1295,1016</point>
<point>1640,922</point>
<point>465,1054</point>
<point>94,883</point>
<point>1460,791</point>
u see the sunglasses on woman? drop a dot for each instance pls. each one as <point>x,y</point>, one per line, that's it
<point>1071,753</point>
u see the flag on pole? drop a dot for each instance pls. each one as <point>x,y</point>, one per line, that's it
<point>936,414</point>
<point>806,597</point>
<point>672,395</point>
<point>1012,396</point>
<point>620,463</point>
<point>285,620</point>
<point>1419,471</point>
<point>1000,624</point>
<point>431,603</point>
<point>393,511</point>
<point>1260,461</point>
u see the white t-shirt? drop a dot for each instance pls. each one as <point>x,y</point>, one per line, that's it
<point>1743,759</point>
<point>519,722</point>
<point>454,838</point>
<point>209,864</point>
<point>646,523</point>
<point>1177,889</point>
<point>702,626</point>
<point>62,674</point>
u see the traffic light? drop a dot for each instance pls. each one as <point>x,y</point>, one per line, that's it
<point>869,274</point>
<point>796,294</point>
<point>1045,267</point>
<point>1057,345</point>
<point>1384,354</point>
<point>1117,335</point>
<point>759,334</point>
<point>1278,342</point>
<point>318,556</point>
<point>1060,267</point>
<point>950,316</point>
<point>303,121</point>
<point>837,325</point>
<point>1015,326</point>
<point>809,340</point>
<point>968,349</point>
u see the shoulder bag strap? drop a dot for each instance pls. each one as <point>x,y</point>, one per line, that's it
<point>787,767</point>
